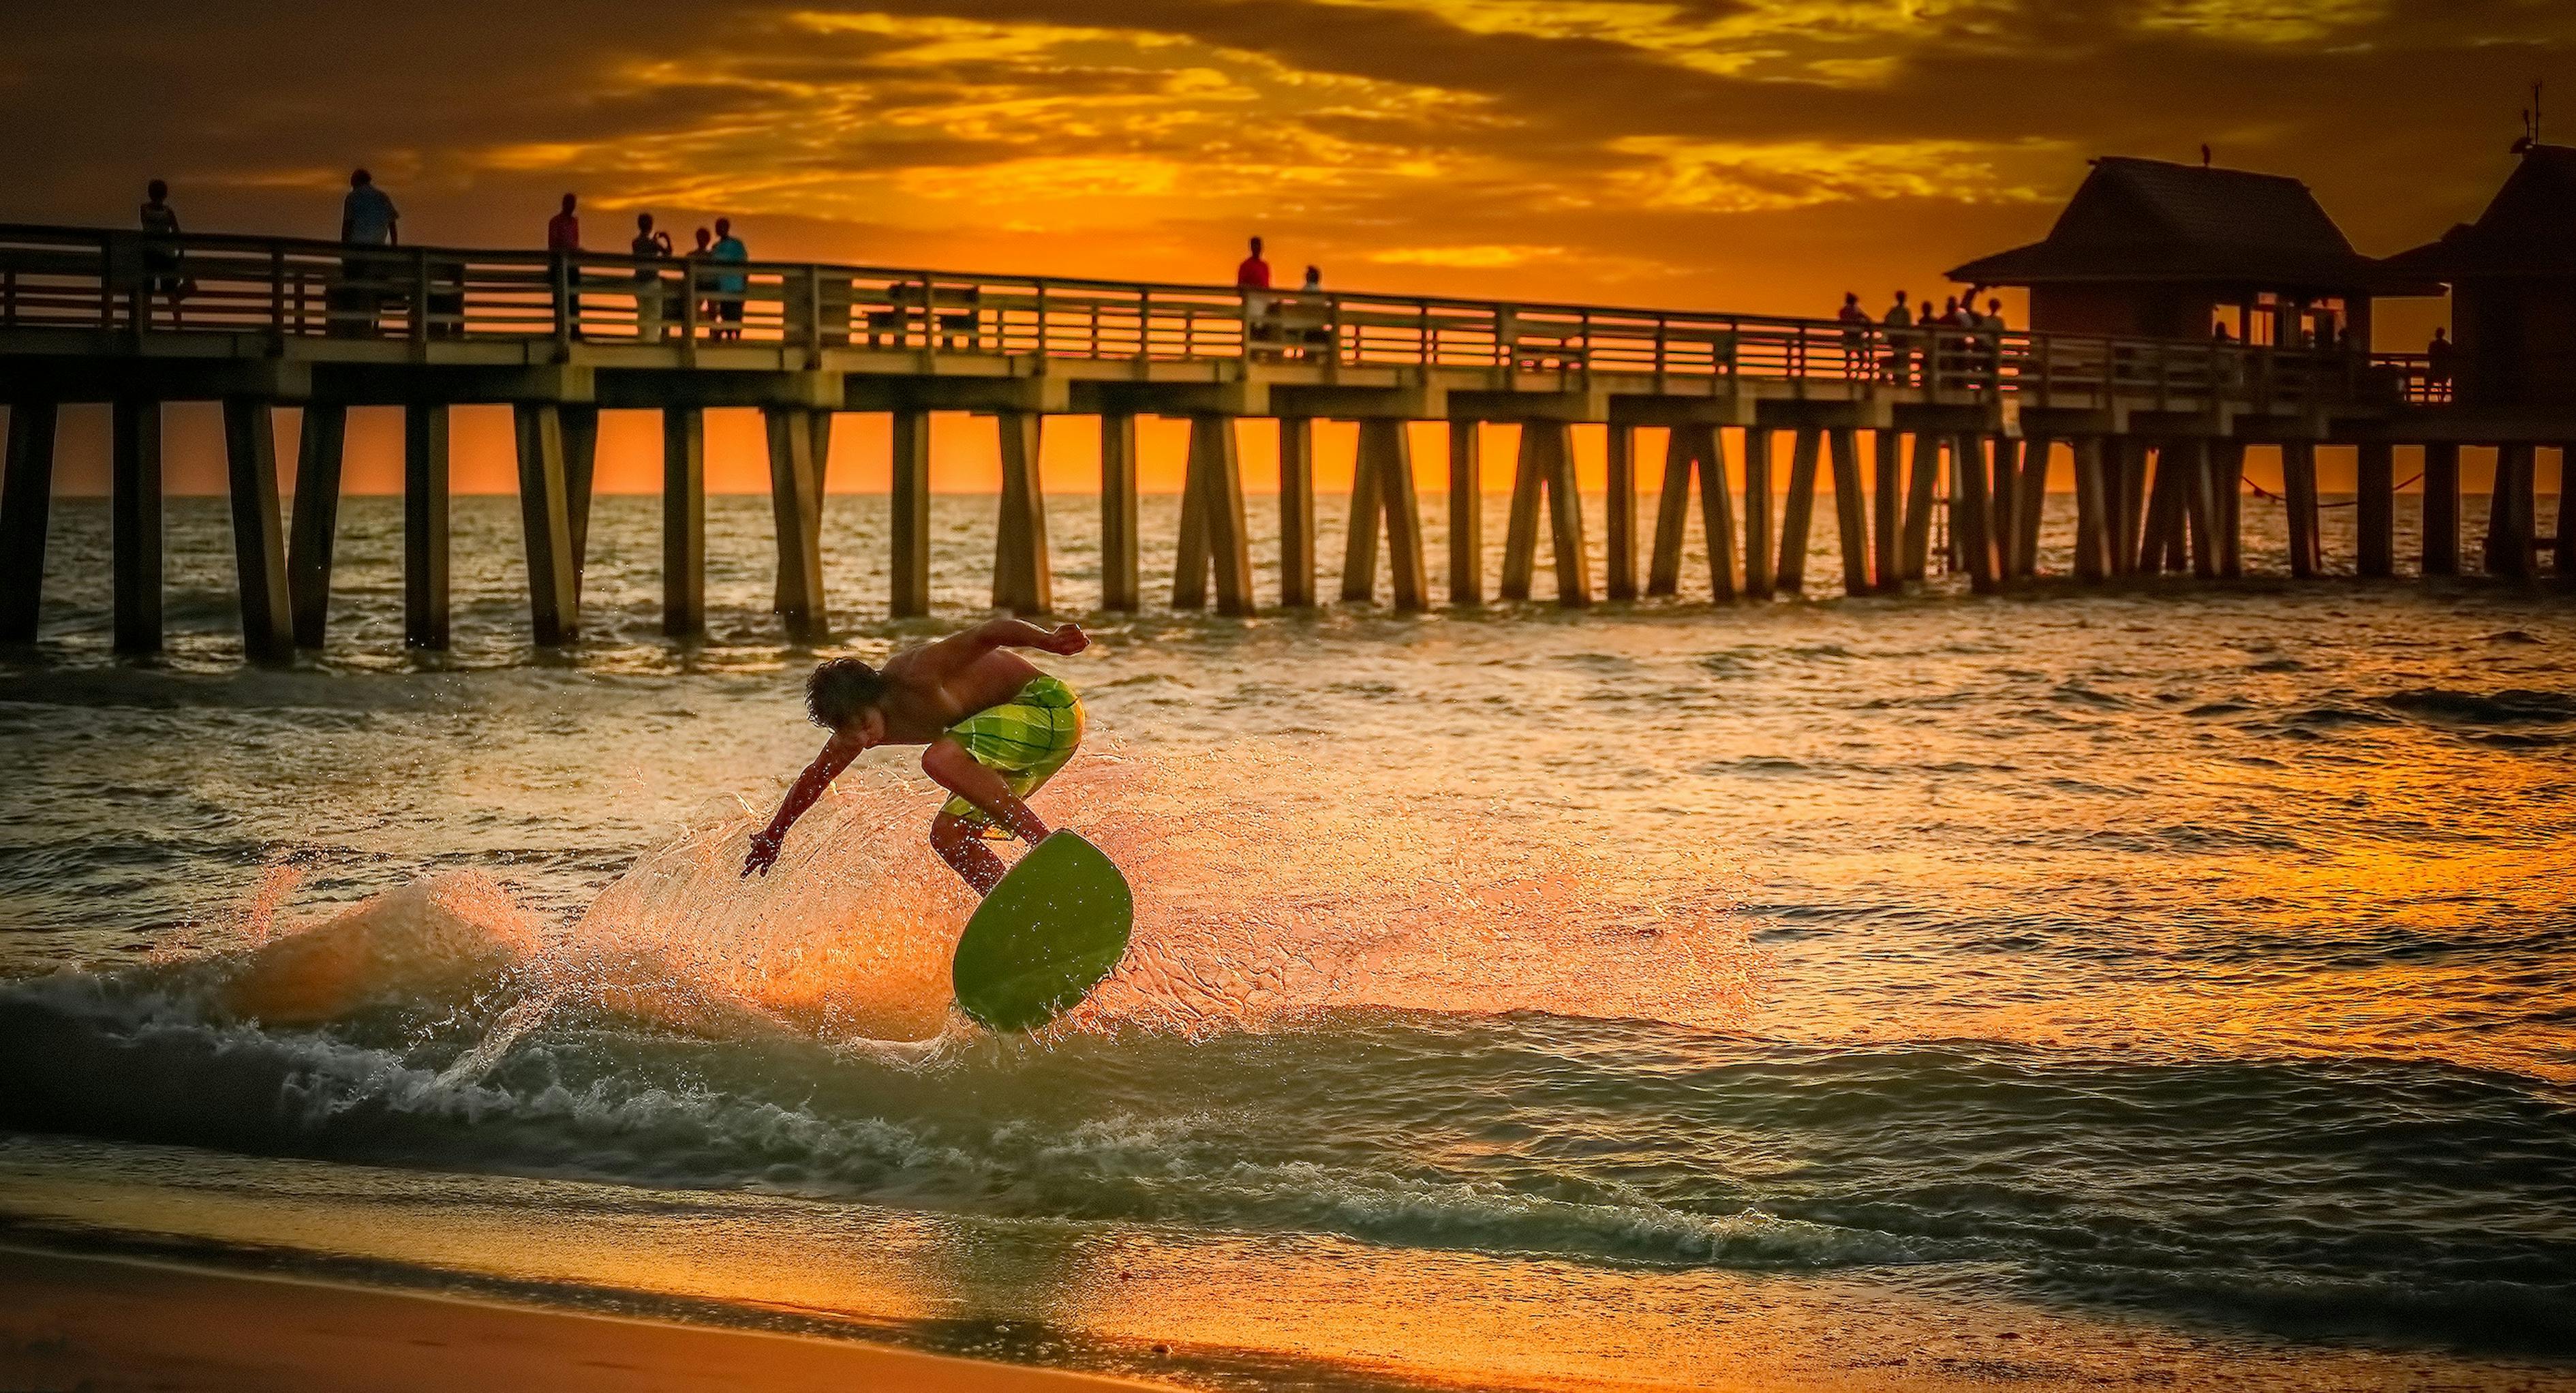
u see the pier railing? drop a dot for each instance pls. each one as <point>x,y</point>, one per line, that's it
<point>132,285</point>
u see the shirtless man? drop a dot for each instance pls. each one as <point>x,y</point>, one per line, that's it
<point>996,728</point>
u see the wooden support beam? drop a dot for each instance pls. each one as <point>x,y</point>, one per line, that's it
<point>793,500</point>
<point>2511,512</point>
<point>2129,504</point>
<point>1546,465</point>
<point>1798,516</point>
<point>2199,505</point>
<point>1620,495</point>
<point>2095,543</point>
<point>425,525</point>
<point>909,482</point>
<point>1758,539</point>
<point>2160,542</point>
<point>1122,585</point>
<point>1212,522</point>
<point>1297,512</point>
<point>2299,491</point>
<point>1694,449</point>
<point>684,521</point>
<point>2003,490</point>
<point>259,552</point>
<point>2375,546</point>
<point>26,505</point>
<point>2442,509</point>
<point>134,521</point>
<point>1851,510</point>
<point>2227,481</point>
<point>1466,513</point>
<point>2030,502</point>
<point>545,524</point>
<point>1920,486</point>
<point>1972,515</point>
<point>1023,572</point>
<point>1382,487</point>
<point>581,464</point>
<point>1887,500</point>
<point>316,523</point>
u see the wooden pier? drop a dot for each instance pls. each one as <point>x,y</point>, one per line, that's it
<point>2154,429</point>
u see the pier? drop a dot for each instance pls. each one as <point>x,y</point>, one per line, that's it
<point>1908,422</point>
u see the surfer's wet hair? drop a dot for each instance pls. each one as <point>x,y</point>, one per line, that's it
<point>840,689</point>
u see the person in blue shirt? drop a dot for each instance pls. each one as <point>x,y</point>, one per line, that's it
<point>729,287</point>
<point>367,219</point>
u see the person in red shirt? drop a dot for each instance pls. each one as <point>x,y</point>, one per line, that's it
<point>1254,273</point>
<point>563,238</point>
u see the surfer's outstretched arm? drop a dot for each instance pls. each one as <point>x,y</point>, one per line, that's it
<point>957,650</point>
<point>827,766</point>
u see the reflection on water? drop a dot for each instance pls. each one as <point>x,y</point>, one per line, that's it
<point>2176,962</point>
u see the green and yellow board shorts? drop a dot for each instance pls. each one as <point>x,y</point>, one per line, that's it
<point>1025,740</point>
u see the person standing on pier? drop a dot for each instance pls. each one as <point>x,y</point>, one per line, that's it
<point>1855,322</point>
<point>995,727</point>
<point>161,247</point>
<point>563,243</point>
<point>1899,321</point>
<point>367,219</point>
<point>648,247</point>
<point>729,287</point>
<point>1260,314</point>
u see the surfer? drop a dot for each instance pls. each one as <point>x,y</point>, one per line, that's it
<point>996,729</point>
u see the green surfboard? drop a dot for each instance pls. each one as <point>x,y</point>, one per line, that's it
<point>1055,926</point>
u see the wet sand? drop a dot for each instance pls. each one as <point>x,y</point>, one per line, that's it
<point>105,1324</point>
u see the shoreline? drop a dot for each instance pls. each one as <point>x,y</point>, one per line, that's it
<point>101,1322</point>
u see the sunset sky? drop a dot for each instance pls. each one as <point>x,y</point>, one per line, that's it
<point>1735,153</point>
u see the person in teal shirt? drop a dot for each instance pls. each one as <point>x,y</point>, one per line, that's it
<point>730,287</point>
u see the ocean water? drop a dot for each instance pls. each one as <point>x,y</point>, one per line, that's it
<point>2166,984</point>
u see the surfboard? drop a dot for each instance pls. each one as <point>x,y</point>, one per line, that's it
<point>1046,935</point>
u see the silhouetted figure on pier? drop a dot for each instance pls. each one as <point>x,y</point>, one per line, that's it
<point>2438,365</point>
<point>697,258</point>
<point>563,241</point>
<point>649,246</point>
<point>1899,322</point>
<point>730,287</point>
<point>1855,322</point>
<point>161,259</point>
<point>1254,272</point>
<point>1306,322</point>
<point>368,218</point>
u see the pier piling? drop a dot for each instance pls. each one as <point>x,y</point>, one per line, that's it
<point>425,525</point>
<point>1851,511</point>
<point>1700,450</point>
<point>2510,512</point>
<point>1466,514</point>
<point>1023,572</point>
<point>581,464</point>
<point>1921,484</point>
<point>1382,487</point>
<point>909,514</point>
<point>1887,500</point>
<point>1212,522</point>
<point>793,500</point>
<point>26,505</point>
<point>554,608</point>
<point>1296,513</point>
<point>1972,514</point>
<point>1620,495</point>
<point>2563,557</point>
<point>1797,515</point>
<point>2375,551</point>
<point>1758,540</point>
<point>2442,509</point>
<point>259,553</point>
<point>1546,466</point>
<point>2095,544</point>
<point>684,521</point>
<point>2030,499</point>
<point>316,524</point>
<point>2227,480</point>
<point>2299,494</point>
<point>1121,578</point>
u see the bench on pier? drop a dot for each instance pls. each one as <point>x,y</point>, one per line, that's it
<point>951,314</point>
<point>1287,326</point>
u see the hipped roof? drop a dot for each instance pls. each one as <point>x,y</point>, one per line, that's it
<point>2528,229</point>
<point>2150,220</point>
